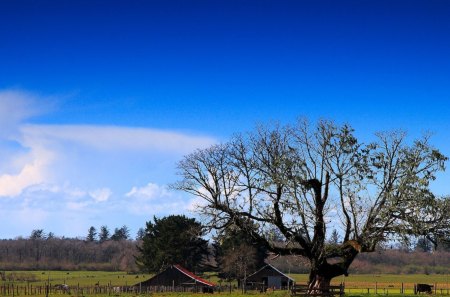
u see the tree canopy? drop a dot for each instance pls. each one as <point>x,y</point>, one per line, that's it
<point>303,179</point>
<point>122,233</point>
<point>175,239</point>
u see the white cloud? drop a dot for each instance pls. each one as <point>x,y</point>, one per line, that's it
<point>52,196</point>
<point>45,146</point>
<point>148,192</point>
<point>113,138</point>
<point>154,199</point>
<point>160,208</point>
<point>33,170</point>
<point>23,165</point>
<point>60,173</point>
<point>101,195</point>
<point>78,206</point>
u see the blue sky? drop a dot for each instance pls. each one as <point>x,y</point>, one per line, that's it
<point>100,99</point>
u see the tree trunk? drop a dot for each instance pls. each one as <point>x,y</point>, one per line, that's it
<point>322,272</point>
<point>321,275</point>
<point>319,284</point>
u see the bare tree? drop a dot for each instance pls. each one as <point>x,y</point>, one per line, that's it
<point>237,254</point>
<point>302,179</point>
<point>239,262</point>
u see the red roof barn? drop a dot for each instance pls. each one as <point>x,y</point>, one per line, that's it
<point>177,276</point>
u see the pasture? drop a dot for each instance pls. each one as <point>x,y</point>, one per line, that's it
<point>355,285</point>
<point>73,278</point>
<point>386,284</point>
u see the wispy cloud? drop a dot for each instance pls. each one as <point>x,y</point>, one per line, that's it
<point>51,173</point>
<point>22,165</point>
<point>17,106</point>
<point>63,209</point>
<point>41,150</point>
<point>101,195</point>
<point>114,138</point>
<point>152,199</point>
<point>148,192</point>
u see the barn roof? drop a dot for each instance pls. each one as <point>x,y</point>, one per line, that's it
<point>273,268</point>
<point>178,275</point>
<point>193,276</point>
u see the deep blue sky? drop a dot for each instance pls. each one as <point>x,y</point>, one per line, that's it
<point>203,69</point>
<point>214,55</point>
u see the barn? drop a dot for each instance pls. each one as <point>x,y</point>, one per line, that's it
<point>269,277</point>
<point>177,278</point>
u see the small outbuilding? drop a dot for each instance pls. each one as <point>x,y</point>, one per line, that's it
<point>269,277</point>
<point>176,278</point>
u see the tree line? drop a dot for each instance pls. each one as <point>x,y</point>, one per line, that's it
<point>42,251</point>
<point>175,239</point>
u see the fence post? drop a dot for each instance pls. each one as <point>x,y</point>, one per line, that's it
<point>402,290</point>
<point>376,287</point>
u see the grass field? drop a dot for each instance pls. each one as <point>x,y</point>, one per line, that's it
<point>74,278</point>
<point>355,285</point>
<point>386,283</point>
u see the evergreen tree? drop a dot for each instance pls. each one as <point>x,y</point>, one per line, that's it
<point>92,234</point>
<point>334,238</point>
<point>104,234</point>
<point>37,234</point>
<point>122,233</point>
<point>172,240</point>
<point>140,234</point>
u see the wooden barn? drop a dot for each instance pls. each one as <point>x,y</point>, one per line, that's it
<point>176,278</point>
<point>269,277</point>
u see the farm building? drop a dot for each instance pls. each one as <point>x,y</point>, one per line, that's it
<point>269,277</point>
<point>177,278</point>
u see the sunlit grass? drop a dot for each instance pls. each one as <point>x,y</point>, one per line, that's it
<point>81,278</point>
<point>355,285</point>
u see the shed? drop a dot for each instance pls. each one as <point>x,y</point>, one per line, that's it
<point>176,276</point>
<point>269,277</point>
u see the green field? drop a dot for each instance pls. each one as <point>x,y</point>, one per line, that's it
<point>386,284</point>
<point>122,278</point>
<point>355,285</point>
<point>74,278</point>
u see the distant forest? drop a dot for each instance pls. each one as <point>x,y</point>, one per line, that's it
<point>392,261</point>
<point>67,254</point>
<point>52,253</point>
